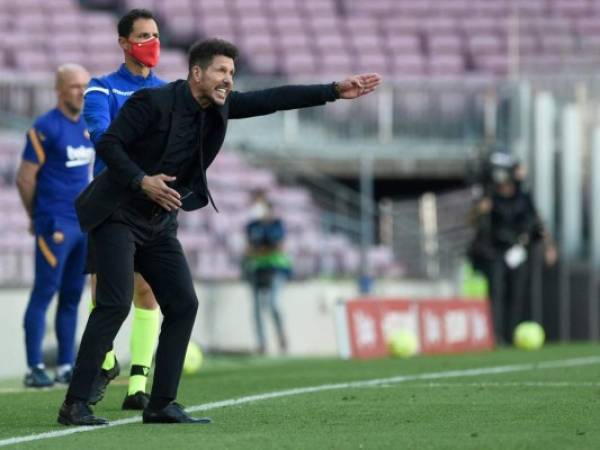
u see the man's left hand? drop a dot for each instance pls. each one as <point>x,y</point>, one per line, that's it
<point>359,85</point>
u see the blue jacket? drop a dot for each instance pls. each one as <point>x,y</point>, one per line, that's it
<point>105,96</point>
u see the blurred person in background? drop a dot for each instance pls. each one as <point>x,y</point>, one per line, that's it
<point>56,167</point>
<point>266,266</point>
<point>506,227</point>
<point>139,40</point>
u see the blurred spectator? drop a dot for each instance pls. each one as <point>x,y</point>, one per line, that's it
<point>266,266</point>
<point>507,226</point>
<point>56,167</point>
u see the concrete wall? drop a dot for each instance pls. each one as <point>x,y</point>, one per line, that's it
<point>224,319</point>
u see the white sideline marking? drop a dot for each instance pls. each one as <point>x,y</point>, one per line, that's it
<point>541,384</point>
<point>574,362</point>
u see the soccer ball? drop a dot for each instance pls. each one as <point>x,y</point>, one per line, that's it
<point>193,359</point>
<point>529,336</point>
<point>402,344</point>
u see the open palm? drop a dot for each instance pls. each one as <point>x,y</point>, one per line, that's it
<point>359,85</point>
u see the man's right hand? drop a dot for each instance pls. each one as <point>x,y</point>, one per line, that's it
<point>156,188</point>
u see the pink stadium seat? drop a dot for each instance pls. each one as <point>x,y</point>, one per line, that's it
<point>183,29</point>
<point>558,43</point>
<point>176,7</point>
<point>148,4</point>
<point>253,23</point>
<point>336,64</point>
<point>27,22</point>
<point>294,42</point>
<point>577,8</point>
<point>409,65</point>
<point>66,22</point>
<point>403,43</point>
<point>479,44</point>
<point>99,22</point>
<point>452,7</point>
<point>105,62</point>
<point>57,6</point>
<point>330,44</point>
<point>444,43</point>
<point>33,60</point>
<point>258,43</point>
<point>288,24</point>
<point>588,25</point>
<point>318,7</point>
<point>494,64</point>
<point>264,63</point>
<point>59,57</point>
<point>374,8</point>
<point>65,41</point>
<point>489,8</point>
<point>447,65</point>
<point>297,64</point>
<point>528,43</point>
<point>590,43</point>
<point>360,25</point>
<point>105,4</point>
<point>325,24</point>
<point>416,8</point>
<point>248,5</point>
<point>529,7</point>
<point>282,8</point>
<point>400,24</point>
<point>175,61</point>
<point>216,26</point>
<point>372,61</point>
<point>366,42</point>
<point>441,25</point>
<point>213,5</point>
<point>483,24</point>
<point>25,6</point>
<point>104,41</point>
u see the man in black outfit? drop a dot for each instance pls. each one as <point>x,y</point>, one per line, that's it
<point>157,151</point>
<point>507,226</point>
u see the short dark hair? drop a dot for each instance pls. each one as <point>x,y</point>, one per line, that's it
<point>125,26</point>
<point>202,52</point>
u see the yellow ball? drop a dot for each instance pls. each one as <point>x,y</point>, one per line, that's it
<point>193,359</point>
<point>529,336</point>
<point>403,344</point>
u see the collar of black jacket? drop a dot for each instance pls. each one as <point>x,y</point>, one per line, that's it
<point>184,95</point>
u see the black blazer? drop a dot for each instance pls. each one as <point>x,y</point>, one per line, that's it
<point>148,126</point>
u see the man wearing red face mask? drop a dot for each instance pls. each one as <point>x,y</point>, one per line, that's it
<point>104,97</point>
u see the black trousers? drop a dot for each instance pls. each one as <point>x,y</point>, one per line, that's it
<point>508,289</point>
<point>146,234</point>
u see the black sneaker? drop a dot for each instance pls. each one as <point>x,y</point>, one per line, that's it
<point>64,378</point>
<point>137,401</point>
<point>101,381</point>
<point>38,378</point>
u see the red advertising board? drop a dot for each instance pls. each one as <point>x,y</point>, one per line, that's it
<point>441,326</point>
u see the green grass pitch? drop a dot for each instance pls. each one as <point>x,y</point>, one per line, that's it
<point>442,402</point>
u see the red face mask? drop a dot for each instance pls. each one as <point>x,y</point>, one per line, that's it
<point>146,52</point>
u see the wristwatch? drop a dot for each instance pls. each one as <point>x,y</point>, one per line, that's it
<point>336,89</point>
<point>136,182</point>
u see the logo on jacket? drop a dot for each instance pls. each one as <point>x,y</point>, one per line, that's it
<point>79,156</point>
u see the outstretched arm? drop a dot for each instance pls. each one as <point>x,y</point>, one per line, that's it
<point>267,101</point>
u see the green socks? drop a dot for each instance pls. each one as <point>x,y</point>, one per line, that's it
<point>144,333</point>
